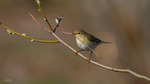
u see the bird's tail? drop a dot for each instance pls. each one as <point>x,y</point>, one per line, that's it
<point>106,42</point>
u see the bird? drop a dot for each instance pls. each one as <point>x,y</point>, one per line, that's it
<point>86,41</point>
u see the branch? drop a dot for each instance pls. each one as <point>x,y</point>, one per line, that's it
<point>58,20</point>
<point>101,65</point>
<point>93,62</point>
<point>10,31</point>
<point>39,23</point>
<point>45,18</point>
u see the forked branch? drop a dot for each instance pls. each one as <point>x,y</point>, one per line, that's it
<point>45,18</point>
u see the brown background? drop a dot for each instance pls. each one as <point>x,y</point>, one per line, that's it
<point>126,23</point>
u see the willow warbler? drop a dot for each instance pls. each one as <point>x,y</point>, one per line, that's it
<point>86,41</point>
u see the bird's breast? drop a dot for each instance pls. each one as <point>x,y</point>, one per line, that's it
<point>86,45</point>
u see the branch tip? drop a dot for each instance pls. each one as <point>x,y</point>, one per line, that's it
<point>58,20</point>
<point>62,16</point>
<point>38,2</point>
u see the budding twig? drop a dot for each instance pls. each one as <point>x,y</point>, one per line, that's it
<point>58,20</point>
<point>45,18</point>
<point>10,31</point>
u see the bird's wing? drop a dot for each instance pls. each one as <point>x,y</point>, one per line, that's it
<point>98,41</point>
<point>94,39</point>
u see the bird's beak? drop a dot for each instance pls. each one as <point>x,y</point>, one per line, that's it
<point>73,34</point>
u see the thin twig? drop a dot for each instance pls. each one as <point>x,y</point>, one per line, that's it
<point>45,18</point>
<point>25,36</point>
<point>66,32</point>
<point>58,20</point>
<point>39,23</point>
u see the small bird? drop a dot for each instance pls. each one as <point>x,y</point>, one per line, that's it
<point>86,41</point>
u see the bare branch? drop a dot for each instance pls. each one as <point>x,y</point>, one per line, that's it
<point>39,23</point>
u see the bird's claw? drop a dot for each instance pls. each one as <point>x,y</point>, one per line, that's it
<point>88,59</point>
<point>77,52</point>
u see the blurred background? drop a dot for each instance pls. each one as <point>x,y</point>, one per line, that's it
<point>125,23</point>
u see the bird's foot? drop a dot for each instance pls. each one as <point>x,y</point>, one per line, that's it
<point>88,59</point>
<point>77,52</point>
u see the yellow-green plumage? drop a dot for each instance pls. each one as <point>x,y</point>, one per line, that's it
<point>86,41</point>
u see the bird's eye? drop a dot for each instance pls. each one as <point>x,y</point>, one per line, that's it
<point>79,33</point>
